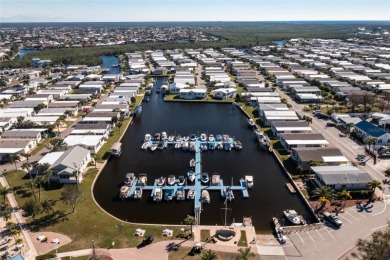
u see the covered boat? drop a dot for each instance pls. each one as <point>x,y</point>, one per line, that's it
<point>171,179</point>
<point>292,216</point>
<point>249,181</point>
<point>116,149</point>
<point>191,194</point>
<point>161,181</point>
<point>205,196</point>
<point>138,193</point>
<point>157,196</point>
<point>124,192</point>
<point>180,194</point>
<point>215,180</point>
<point>191,175</point>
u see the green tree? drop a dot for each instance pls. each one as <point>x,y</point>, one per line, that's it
<point>345,195</point>
<point>7,215</point>
<point>374,184</point>
<point>31,208</point>
<point>324,194</point>
<point>47,205</point>
<point>376,248</point>
<point>14,158</point>
<point>208,255</point>
<point>58,143</point>
<point>245,254</point>
<point>71,195</point>
<point>189,220</point>
<point>4,191</point>
<point>15,232</point>
<point>27,167</point>
<point>38,182</point>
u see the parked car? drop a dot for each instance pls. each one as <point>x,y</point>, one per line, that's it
<point>148,240</point>
<point>146,98</point>
<point>332,219</point>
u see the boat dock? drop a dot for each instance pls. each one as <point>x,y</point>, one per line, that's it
<point>197,185</point>
<point>291,188</point>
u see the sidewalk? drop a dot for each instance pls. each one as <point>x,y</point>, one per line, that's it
<point>31,253</point>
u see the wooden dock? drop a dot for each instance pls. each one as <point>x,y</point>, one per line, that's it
<point>290,188</point>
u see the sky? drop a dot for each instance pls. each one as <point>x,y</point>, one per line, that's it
<point>191,10</point>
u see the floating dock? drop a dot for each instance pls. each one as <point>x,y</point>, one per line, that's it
<point>290,188</point>
<point>196,185</point>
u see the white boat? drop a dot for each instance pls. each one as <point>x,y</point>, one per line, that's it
<point>191,175</point>
<point>180,194</point>
<point>161,181</point>
<point>228,146</point>
<point>192,163</point>
<point>211,138</point>
<point>203,146</point>
<point>249,181</point>
<point>251,122</point>
<point>205,196</point>
<point>138,193</point>
<point>203,137</point>
<point>171,179</point>
<point>191,194</point>
<point>164,136</point>
<point>258,133</point>
<point>186,138</point>
<point>145,145</point>
<point>181,180</point>
<point>142,179</point>
<point>178,138</point>
<point>171,138</point>
<point>148,138</point>
<point>229,193</point>
<point>218,138</point>
<point>292,216</point>
<point>205,178</point>
<point>129,179</point>
<point>215,180</point>
<point>157,196</point>
<point>177,145</point>
<point>237,145</point>
<point>264,141</point>
<point>225,138</point>
<point>192,147</point>
<point>186,145</point>
<point>124,192</point>
<point>219,146</point>
<point>153,147</point>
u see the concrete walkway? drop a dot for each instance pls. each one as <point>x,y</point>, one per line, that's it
<point>31,253</point>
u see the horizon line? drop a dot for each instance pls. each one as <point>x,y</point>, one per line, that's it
<point>199,21</point>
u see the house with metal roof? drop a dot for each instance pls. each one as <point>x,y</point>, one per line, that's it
<point>328,155</point>
<point>91,142</point>
<point>365,129</point>
<point>285,127</point>
<point>10,146</point>
<point>343,177</point>
<point>65,164</point>
<point>23,134</point>
<point>290,141</point>
<point>278,115</point>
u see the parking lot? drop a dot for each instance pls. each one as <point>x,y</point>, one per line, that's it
<point>328,242</point>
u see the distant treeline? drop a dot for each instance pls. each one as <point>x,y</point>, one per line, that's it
<point>239,35</point>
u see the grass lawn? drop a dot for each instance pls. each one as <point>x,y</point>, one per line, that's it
<point>242,242</point>
<point>88,223</point>
<point>183,253</point>
<point>40,146</point>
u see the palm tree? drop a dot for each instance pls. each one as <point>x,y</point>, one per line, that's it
<point>245,254</point>
<point>208,255</point>
<point>344,195</point>
<point>27,167</point>
<point>46,175</point>
<point>373,185</point>
<point>14,158</point>
<point>190,220</point>
<point>369,141</point>
<point>38,181</point>
<point>324,194</point>
<point>4,191</point>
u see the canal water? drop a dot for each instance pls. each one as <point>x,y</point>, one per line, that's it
<point>268,198</point>
<point>108,61</point>
<point>278,43</point>
<point>24,52</point>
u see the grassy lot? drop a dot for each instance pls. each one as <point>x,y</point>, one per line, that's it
<point>183,253</point>
<point>40,146</point>
<point>242,241</point>
<point>88,223</point>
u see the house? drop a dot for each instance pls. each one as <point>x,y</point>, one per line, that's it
<point>365,129</point>
<point>271,107</point>
<point>102,129</point>
<point>341,177</point>
<point>327,155</point>
<point>65,164</point>
<point>193,93</point>
<point>91,142</point>
<point>309,98</point>
<point>278,115</point>
<point>291,127</point>
<point>23,134</point>
<point>290,141</point>
<point>175,87</point>
<point>10,146</point>
<point>6,123</point>
<point>224,93</point>
<point>159,71</point>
